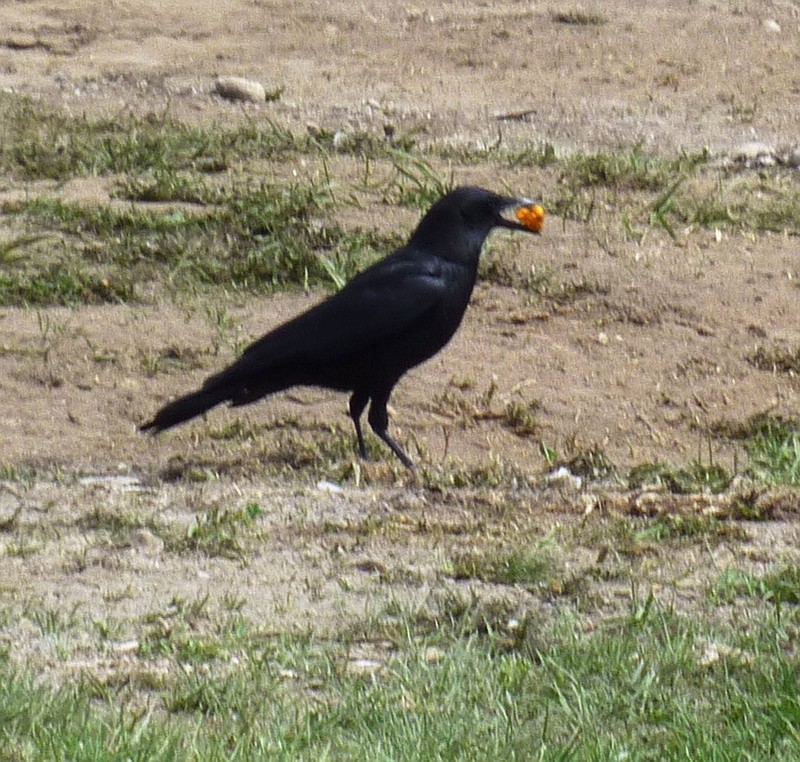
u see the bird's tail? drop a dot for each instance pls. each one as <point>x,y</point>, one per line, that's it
<point>184,409</point>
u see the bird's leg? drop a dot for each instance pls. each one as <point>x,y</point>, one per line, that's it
<point>379,420</point>
<point>357,404</point>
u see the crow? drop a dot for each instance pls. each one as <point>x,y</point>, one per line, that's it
<point>389,318</point>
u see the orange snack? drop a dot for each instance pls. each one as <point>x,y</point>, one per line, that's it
<point>532,217</point>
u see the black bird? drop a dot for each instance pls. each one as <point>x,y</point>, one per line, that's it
<point>392,316</point>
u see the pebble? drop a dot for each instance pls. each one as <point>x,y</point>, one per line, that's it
<point>363,666</point>
<point>752,150</point>
<point>791,157</point>
<point>332,487</point>
<point>754,154</point>
<point>341,140</point>
<point>563,477</point>
<point>21,41</point>
<point>433,654</point>
<point>240,89</point>
<point>121,482</point>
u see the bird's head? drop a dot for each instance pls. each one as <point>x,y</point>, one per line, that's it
<point>456,226</point>
<point>483,209</point>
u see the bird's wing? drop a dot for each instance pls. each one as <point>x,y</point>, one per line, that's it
<point>378,304</point>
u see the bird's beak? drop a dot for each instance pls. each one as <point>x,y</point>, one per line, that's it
<point>529,216</point>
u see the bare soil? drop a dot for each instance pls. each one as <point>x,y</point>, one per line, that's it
<point>651,353</point>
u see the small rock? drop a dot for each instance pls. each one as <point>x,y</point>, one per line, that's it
<point>752,149</point>
<point>315,131</point>
<point>754,154</point>
<point>240,89</point>
<point>122,482</point>
<point>370,566</point>
<point>715,652</point>
<point>433,654</point>
<point>145,542</point>
<point>341,140</point>
<point>362,667</point>
<point>125,646</point>
<point>21,41</point>
<point>563,477</point>
<point>332,487</point>
<point>772,26</point>
<point>791,157</point>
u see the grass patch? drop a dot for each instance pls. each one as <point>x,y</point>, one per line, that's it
<point>415,182</point>
<point>752,202</point>
<point>519,566</point>
<point>490,473</point>
<point>520,417</point>
<point>635,537</point>
<point>592,464</point>
<point>773,447</point>
<point>257,238</point>
<point>38,142</point>
<point>782,585</point>
<point>681,480</point>
<point>67,283</point>
<point>221,532</point>
<point>525,155</point>
<point>285,450</point>
<point>633,170</point>
<point>693,527</point>
<point>576,17</point>
<point>776,359</point>
<point>118,524</point>
<point>775,455</point>
<point>171,359</point>
<point>167,185</point>
<point>649,686</point>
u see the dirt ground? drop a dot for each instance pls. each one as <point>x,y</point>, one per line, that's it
<point>653,353</point>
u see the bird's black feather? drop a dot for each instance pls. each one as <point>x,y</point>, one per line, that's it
<point>386,320</point>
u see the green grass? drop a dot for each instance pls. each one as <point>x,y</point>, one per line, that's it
<point>256,238</point>
<point>167,185</point>
<point>37,142</point>
<point>415,182</point>
<point>591,464</point>
<point>118,524</point>
<point>241,235</point>
<point>772,444</point>
<point>636,537</point>
<point>520,417</point>
<point>694,477</point>
<point>766,202</point>
<point>692,527</point>
<point>286,447</point>
<point>775,458</point>
<point>524,566</point>
<point>633,170</point>
<point>653,685</point>
<point>779,586</point>
<point>67,283</point>
<point>221,532</point>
